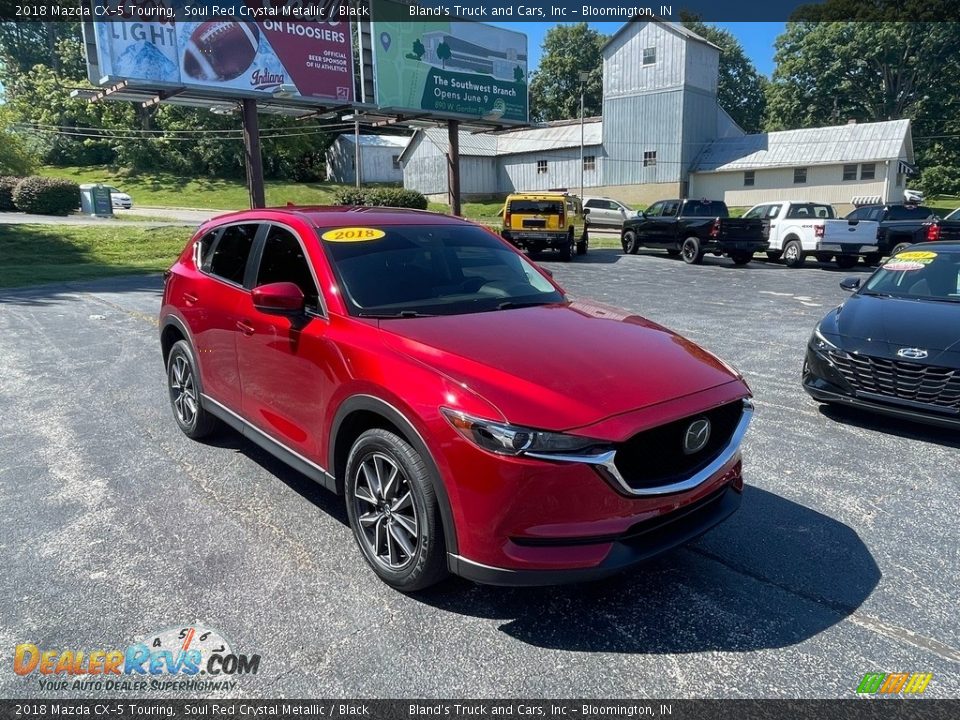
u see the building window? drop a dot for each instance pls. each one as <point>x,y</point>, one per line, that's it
<point>799,176</point>
<point>749,178</point>
<point>868,171</point>
<point>396,162</point>
<point>849,173</point>
<point>541,167</point>
<point>589,162</point>
<point>649,55</point>
<point>649,158</point>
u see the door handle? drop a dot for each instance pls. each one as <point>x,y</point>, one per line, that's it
<point>245,328</point>
<point>190,299</point>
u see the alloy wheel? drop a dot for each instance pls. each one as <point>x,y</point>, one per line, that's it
<point>183,391</point>
<point>385,511</point>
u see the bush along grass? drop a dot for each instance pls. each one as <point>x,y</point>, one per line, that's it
<point>7,185</point>
<point>46,196</point>
<point>381,197</point>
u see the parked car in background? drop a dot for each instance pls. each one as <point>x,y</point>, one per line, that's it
<point>913,196</point>
<point>474,418</point>
<point>892,347</point>
<point>902,225</point>
<point>606,212</point>
<point>120,199</point>
<point>693,228</point>
<point>545,221</point>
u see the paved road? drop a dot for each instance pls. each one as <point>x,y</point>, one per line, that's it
<point>844,559</point>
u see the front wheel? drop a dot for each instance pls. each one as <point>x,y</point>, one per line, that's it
<point>630,242</point>
<point>691,252</point>
<point>192,419</point>
<point>584,242</point>
<point>393,511</point>
<point>845,262</point>
<point>741,258</point>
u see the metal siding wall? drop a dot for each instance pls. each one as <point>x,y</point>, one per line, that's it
<point>425,168</point>
<point>623,70</point>
<point>702,68</point>
<point>699,124</point>
<point>338,162</point>
<point>478,176</point>
<point>632,125</point>
<point>519,172</point>
<point>378,164</point>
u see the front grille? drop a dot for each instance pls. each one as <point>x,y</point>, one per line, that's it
<point>938,387</point>
<point>655,457</point>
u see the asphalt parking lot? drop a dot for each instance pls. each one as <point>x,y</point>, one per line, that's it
<point>844,558</point>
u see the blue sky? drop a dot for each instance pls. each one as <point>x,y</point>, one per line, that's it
<point>756,37</point>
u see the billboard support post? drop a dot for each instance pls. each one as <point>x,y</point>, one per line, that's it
<point>251,152</point>
<point>453,166</point>
<point>357,155</point>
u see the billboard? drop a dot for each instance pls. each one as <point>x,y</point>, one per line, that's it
<point>451,69</point>
<point>223,55</point>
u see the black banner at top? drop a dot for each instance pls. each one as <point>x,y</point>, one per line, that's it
<point>519,11</point>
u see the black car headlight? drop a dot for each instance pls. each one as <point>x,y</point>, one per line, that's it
<point>820,342</point>
<point>505,439</point>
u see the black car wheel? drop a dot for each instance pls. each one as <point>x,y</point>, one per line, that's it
<point>584,242</point>
<point>567,249</point>
<point>393,511</point>
<point>184,390</point>
<point>690,251</point>
<point>845,262</point>
<point>793,255</point>
<point>741,258</point>
<point>630,243</point>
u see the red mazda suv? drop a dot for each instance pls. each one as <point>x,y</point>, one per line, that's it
<point>476,419</point>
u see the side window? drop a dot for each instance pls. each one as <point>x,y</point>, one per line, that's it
<point>283,260</point>
<point>230,254</point>
<point>654,210</point>
<point>858,214</point>
<point>593,203</point>
<point>670,209</point>
<point>202,248</point>
<point>773,212</point>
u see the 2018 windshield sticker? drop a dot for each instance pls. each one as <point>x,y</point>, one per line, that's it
<point>353,234</point>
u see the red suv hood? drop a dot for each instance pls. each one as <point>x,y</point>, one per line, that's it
<point>559,367</point>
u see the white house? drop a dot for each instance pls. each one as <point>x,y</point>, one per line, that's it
<point>379,158</point>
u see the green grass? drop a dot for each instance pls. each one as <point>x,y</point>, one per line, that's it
<point>35,254</point>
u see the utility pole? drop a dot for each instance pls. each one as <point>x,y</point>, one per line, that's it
<point>583,79</point>
<point>356,149</point>
<point>251,153</point>
<point>453,166</point>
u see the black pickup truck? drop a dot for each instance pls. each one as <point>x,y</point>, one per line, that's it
<point>901,225</point>
<point>693,228</point>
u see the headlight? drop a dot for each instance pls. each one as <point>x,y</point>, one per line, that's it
<point>820,342</point>
<point>505,439</point>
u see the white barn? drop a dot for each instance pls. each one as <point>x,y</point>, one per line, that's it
<point>663,135</point>
<point>379,158</point>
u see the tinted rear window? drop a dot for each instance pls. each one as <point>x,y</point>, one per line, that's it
<point>810,210</point>
<point>537,207</point>
<point>697,208</point>
<point>902,212</point>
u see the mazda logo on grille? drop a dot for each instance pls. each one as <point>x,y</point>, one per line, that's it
<point>696,436</point>
<point>912,353</point>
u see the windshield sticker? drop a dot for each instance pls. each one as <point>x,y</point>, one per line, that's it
<point>916,255</point>
<point>897,265</point>
<point>353,234</point>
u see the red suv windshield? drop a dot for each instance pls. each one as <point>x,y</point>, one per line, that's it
<point>432,270</point>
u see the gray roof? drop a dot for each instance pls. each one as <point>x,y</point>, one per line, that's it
<point>399,141</point>
<point>676,27</point>
<point>562,134</point>
<point>860,142</point>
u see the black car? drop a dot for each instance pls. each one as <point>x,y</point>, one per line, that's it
<point>894,346</point>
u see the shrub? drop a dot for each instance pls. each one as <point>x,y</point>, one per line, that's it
<point>350,196</point>
<point>46,196</point>
<point>7,184</point>
<point>397,197</point>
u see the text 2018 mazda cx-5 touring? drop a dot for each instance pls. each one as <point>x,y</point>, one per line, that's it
<point>475,419</point>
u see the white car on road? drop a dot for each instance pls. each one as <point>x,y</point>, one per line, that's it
<point>606,212</point>
<point>120,199</point>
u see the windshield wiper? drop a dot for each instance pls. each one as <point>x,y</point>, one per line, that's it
<point>399,314</point>
<point>511,304</point>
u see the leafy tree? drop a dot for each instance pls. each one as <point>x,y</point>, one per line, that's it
<point>418,49</point>
<point>568,50</point>
<point>740,89</point>
<point>832,72</point>
<point>443,53</point>
<point>15,158</point>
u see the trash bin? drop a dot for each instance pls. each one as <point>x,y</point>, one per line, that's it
<point>95,200</point>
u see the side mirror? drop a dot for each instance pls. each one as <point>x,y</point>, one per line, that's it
<point>282,298</point>
<point>850,283</point>
<point>586,211</point>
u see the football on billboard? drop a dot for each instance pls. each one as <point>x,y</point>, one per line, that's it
<point>220,50</point>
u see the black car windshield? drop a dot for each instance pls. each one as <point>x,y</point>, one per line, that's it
<point>919,274</point>
<point>410,270</point>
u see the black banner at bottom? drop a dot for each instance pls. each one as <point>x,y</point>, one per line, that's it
<point>859,709</point>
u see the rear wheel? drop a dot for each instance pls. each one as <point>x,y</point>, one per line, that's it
<point>793,255</point>
<point>567,249</point>
<point>845,262</point>
<point>630,242</point>
<point>393,511</point>
<point>691,252</point>
<point>872,259</point>
<point>584,242</point>
<point>184,390</point>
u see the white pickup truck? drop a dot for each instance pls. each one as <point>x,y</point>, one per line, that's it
<point>800,228</point>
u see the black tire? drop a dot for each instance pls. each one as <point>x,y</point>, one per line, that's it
<point>899,248</point>
<point>584,243</point>
<point>422,562</point>
<point>872,259</point>
<point>774,255</point>
<point>845,262</point>
<point>673,252</point>
<point>823,257</point>
<point>183,388</point>
<point>741,258</point>
<point>567,249</point>
<point>630,242</point>
<point>793,254</point>
<point>691,252</point>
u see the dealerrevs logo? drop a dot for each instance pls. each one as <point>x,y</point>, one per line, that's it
<point>185,658</point>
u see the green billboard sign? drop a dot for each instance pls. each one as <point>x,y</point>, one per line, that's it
<point>449,69</point>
